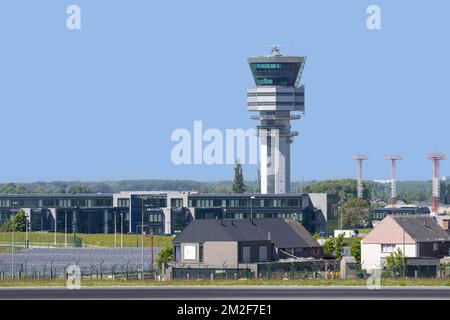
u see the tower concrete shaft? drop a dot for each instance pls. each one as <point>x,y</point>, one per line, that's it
<point>359,189</point>
<point>276,95</point>
<point>393,159</point>
<point>436,157</point>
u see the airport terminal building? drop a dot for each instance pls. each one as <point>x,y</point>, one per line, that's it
<point>158,212</point>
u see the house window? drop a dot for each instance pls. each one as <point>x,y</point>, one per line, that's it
<point>246,254</point>
<point>189,252</point>
<point>200,252</point>
<point>435,246</point>
<point>388,248</point>
<point>177,253</point>
<point>262,253</point>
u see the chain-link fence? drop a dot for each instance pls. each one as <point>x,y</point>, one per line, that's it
<point>211,274</point>
<point>93,263</point>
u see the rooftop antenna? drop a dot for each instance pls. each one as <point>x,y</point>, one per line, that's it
<point>275,49</point>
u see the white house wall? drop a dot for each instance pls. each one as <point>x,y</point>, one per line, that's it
<point>371,255</point>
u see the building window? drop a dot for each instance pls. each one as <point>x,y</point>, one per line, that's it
<point>435,246</point>
<point>246,254</point>
<point>200,252</point>
<point>262,253</point>
<point>387,248</point>
<point>176,202</point>
<point>123,203</point>
<point>189,252</point>
<point>177,253</point>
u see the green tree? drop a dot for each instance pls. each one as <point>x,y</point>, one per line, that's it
<point>164,256</point>
<point>338,245</point>
<point>355,249</point>
<point>355,213</point>
<point>334,246</point>
<point>19,221</point>
<point>396,264</point>
<point>5,226</point>
<point>61,189</point>
<point>328,246</point>
<point>12,188</point>
<point>238,182</point>
<point>39,190</point>
<point>77,188</point>
<point>344,188</point>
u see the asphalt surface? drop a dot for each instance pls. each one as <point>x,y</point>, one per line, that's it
<point>228,293</point>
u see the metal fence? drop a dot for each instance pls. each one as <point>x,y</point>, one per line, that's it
<point>211,274</point>
<point>94,263</point>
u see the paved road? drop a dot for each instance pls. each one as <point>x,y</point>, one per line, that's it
<point>230,293</point>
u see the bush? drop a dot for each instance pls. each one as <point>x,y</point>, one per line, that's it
<point>164,256</point>
<point>355,249</point>
<point>5,226</point>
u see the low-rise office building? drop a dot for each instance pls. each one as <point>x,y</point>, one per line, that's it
<point>156,212</point>
<point>378,214</point>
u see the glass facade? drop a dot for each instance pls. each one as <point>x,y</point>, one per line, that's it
<point>96,214</point>
<point>275,73</point>
<point>267,66</point>
<point>263,206</point>
<point>176,202</point>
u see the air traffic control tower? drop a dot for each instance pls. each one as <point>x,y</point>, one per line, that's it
<point>277,95</point>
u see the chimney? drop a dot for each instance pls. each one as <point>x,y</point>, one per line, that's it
<point>445,224</point>
<point>269,236</point>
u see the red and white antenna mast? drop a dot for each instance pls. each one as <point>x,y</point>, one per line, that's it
<point>436,157</point>
<point>360,158</point>
<point>393,158</point>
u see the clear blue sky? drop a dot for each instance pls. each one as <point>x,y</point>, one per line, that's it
<point>101,102</point>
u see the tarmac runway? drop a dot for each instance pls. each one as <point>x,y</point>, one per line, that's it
<point>227,293</point>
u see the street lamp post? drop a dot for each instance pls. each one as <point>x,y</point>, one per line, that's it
<point>151,237</point>
<point>121,230</point>
<point>26,231</point>
<point>12,239</point>
<point>115,229</point>
<point>55,228</point>
<point>65,229</point>
<point>142,236</point>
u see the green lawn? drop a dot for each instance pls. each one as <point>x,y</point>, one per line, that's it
<point>100,240</point>
<point>312,282</point>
